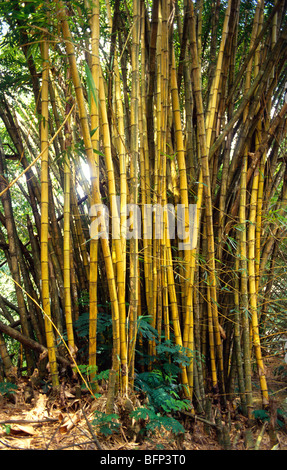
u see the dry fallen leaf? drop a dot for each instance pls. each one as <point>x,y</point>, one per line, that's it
<point>69,422</point>
<point>16,443</point>
<point>17,429</point>
<point>22,443</point>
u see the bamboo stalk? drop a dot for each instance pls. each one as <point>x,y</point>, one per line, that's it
<point>207,193</point>
<point>67,240</point>
<point>90,156</point>
<point>134,281</point>
<point>252,288</point>
<point>45,218</point>
<point>95,176</point>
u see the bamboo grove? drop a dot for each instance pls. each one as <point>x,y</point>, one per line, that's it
<point>136,104</point>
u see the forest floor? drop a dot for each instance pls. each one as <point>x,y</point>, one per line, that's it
<point>39,422</point>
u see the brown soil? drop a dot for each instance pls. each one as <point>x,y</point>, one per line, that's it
<point>30,419</point>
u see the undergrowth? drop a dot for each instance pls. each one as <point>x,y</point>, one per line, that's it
<point>156,381</point>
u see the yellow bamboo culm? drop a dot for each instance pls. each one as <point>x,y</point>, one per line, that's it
<point>244,303</point>
<point>45,217</point>
<point>188,326</point>
<point>93,274</point>
<point>252,289</point>
<point>67,244</point>
<point>86,132</point>
<point>120,244</point>
<point>204,152</point>
<point>254,229</point>
<point>134,280</point>
<point>145,180</point>
<point>117,241</point>
<point>162,171</point>
<point>244,298</point>
<point>213,100</point>
<point>254,233</point>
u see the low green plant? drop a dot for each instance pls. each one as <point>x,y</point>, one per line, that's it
<point>263,416</point>
<point>104,333</point>
<point>7,388</point>
<point>6,428</point>
<point>156,421</point>
<point>161,386</point>
<point>162,391</point>
<point>281,370</point>
<point>91,375</point>
<point>106,424</point>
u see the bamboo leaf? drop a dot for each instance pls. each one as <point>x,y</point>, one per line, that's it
<point>92,90</point>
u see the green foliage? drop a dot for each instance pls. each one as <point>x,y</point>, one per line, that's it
<point>156,421</point>
<point>161,385</point>
<point>104,331</point>
<point>169,356</point>
<point>281,370</point>
<point>92,375</point>
<point>82,324</point>
<point>6,428</point>
<point>177,354</point>
<point>106,423</point>
<point>145,328</point>
<point>161,390</point>
<point>263,416</point>
<point>281,417</point>
<point>6,388</point>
